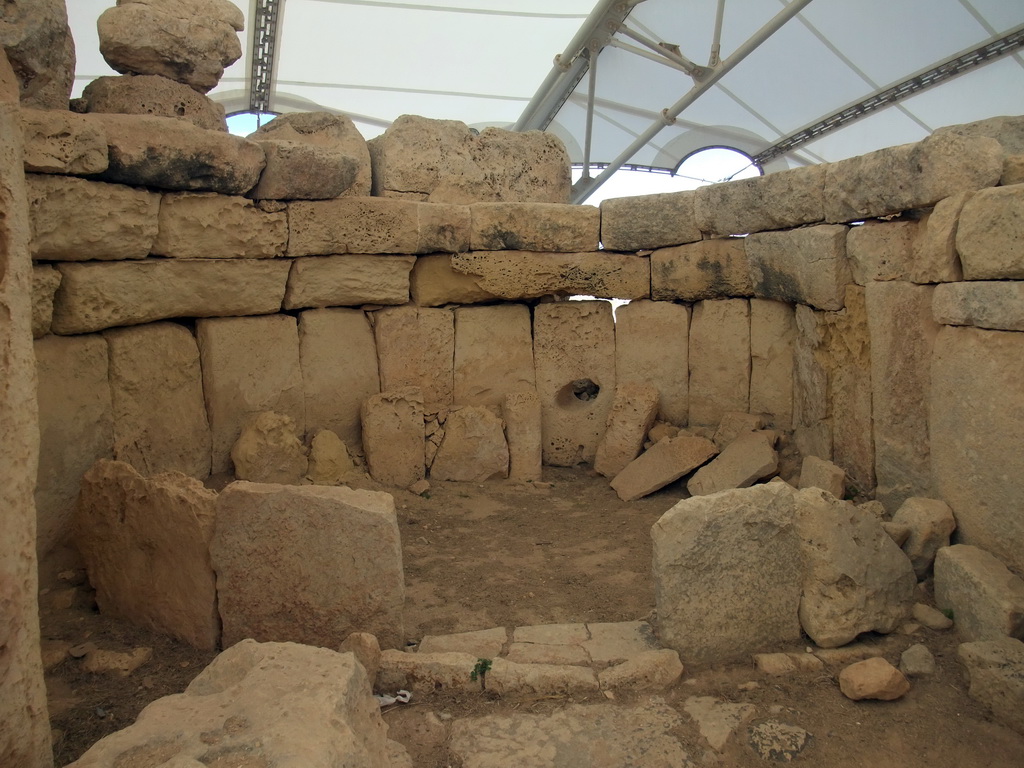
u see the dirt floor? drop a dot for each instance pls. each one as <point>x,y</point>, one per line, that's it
<point>566,550</point>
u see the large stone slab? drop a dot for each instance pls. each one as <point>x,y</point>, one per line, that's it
<point>747,459</point>
<point>473,448</point>
<point>393,434</point>
<point>935,257</point>
<point>41,53</point>
<point>522,414</point>
<point>62,142</point>
<point>986,599</point>
<point>92,297</point>
<point>774,201</point>
<point>493,353</point>
<point>772,340</point>
<point>79,220</point>
<point>664,462</point>
<point>145,542</point>
<point>308,564</point>
<point>534,227</point>
<point>709,269</point>
<point>882,250</point>
<point>977,463</point>
<point>574,353</point>
<point>648,221</point>
<point>997,305</point>
<point>633,412</point>
<point>156,387</point>
<point>207,226</point>
<point>339,370</point>
<point>416,348</point>
<point>807,266</point>
<point>989,234</point>
<point>350,280</point>
<point>434,282</point>
<point>259,704</point>
<point>152,95</point>
<point>652,346</point>
<point>719,357</point>
<point>996,672</point>
<point>45,281</point>
<point>250,364</point>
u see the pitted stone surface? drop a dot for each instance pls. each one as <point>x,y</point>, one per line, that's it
<point>416,348</point>
<point>152,95</point>
<point>62,142</point>
<point>348,281</point>
<point>709,269</point>
<point>534,227</point>
<point>650,221</point>
<point>392,423</point>
<point>45,281</point>
<point>38,44</point>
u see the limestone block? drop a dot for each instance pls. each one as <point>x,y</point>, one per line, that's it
<point>881,250</point>
<point>808,266</point>
<point>45,281</point>
<point>493,353</point>
<point>329,459</point>
<point>188,42</point>
<point>917,661</point>
<point>416,348</point>
<point>444,161</point>
<point>719,357</point>
<point>250,364</point>
<point>434,282</point>
<point>424,672</point>
<point>152,95</point>
<point>617,641</point>
<point>664,462</point>
<point>811,413</point>
<point>300,171</point>
<point>574,354</point>
<point>350,280</point>
<point>207,226</point>
<point>989,234</point>
<point>773,201</point>
<point>930,617</point>
<point>856,579</point>
<point>339,370</point>
<point>156,387</point>
<point>473,448</point>
<point>1007,130</point>
<point>336,136</point>
<point>92,297</point>
<point>486,643</point>
<point>747,459</point>
<point>393,436</point>
<point>930,522</point>
<point>507,678</point>
<point>997,305</point>
<point>902,338</point>
<point>910,176</point>
<point>708,269</point>
<point>534,227</point>
<point>772,340</point>
<point>632,413</point>
<point>522,414</point>
<point>818,473</point>
<point>62,142</point>
<point>875,679</point>
<point>996,672</point>
<point>41,52</point>
<point>935,257</point>
<point>1013,170</point>
<point>145,543</point>
<point>78,220</point>
<point>734,424</point>
<point>541,653</point>
<point>259,703</point>
<point>648,221</point>
<point>269,451</point>
<point>977,464</point>
<point>366,649</point>
<point>75,426</point>
<point>724,580</point>
<point>167,153</point>
<point>652,346</point>
<point>649,671</point>
<point>987,600</point>
<point>520,275</point>
<point>308,564</point>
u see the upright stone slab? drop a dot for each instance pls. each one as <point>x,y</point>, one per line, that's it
<point>62,142</point>
<point>522,414</point>
<point>574,351</point>
<point>708,269</point>
<point>772,339</point>
<point>348,281</point>
<point>986,599</point>
<point>534,227</point>
<point>308,564</point>
<point>75,426</point>
<point>935,257</point>
<point>719,359</point>
<point>493,353</point>
<point>416,348</point>
<point>812,422</point>
<point>648,221</point>
<point>633,412</point>
<point>652,346</point>
<point>393,436</point>
<point>807,266</point>
<point>269,450</point>
<point>994,304</point>
<point>902,337</point>
<point>250,364</point>
<point>153,95</point>
<point>145,542</point>
<point>473,448</point>
<point>774,201</point>
<point>156,387</point>
<point>207,226</point>
<point>339,370</point>
<point>881,250</point>
<point>989,234</point>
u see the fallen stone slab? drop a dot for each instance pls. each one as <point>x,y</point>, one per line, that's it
<point>473,448</point>
<point>996,672</point>
<point>426,672</point>
<point>734,424</point>
<point>663,463</point>
<point>998,305</point>
<point>747,459</point>
<point>62,142</point>
<point>269,451</point>
<point>873,678</point>
<point>152,95</point>
<point>930,522</point>
<point>986,599</point>
<point>534,227</point>
<point>818,473</point>
<point>654,670</point>
<point>633,412</point>
<point>988,233</point>
<point>648,221</point>
<point>393,437</point>
<point>208,226</point>
<point>508,678</point>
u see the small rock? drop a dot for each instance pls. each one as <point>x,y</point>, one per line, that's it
<point>80,650</point>
<point>818,473</point>
<point>329,459</point>
<point>910,628</point>
<point>661,431</point>
<point>877,509</point>
<point>917,661</point>
<point>930,523</point>
<point>268,451</point>
<point>122,663</point>
<point>366,649</point>
<point>931,617</point>
<point>898,532</point>
<point>420,487</point>
<point>776,741</point>
<point>873,679</point>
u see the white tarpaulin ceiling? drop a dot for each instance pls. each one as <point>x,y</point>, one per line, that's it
<point>838,79</point>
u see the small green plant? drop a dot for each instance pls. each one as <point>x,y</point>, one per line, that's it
<point>948,613</point>
<point>480,670</point>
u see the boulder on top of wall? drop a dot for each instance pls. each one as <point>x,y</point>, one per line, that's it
<point>747,459</point>
<point>444,161</point>
<point>805,266</point>
<point>994,304</point>
<point>151,95</point>
<point>930,522</point>
<point>986,599</point>
<point>989,234</point>
<point>36,37</point>
<point>473,448</point>
<point>269,450</point>
<point>1007,130</point>
<point>534,227</point>
<point>202,225</point>
<point>709,269</point>
<point>393,436</point>
<point>168,153</point>
<point>190,41</point>
<point>45,280</point>
<point>62,142</point>
<point>649,221</point>
<point>881,250</point>
<point>996,672</point>
<point>633,412</point>
<point>664,462</point>
<point>350,280</point>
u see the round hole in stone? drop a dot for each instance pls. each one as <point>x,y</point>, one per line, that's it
<point>578,392</point>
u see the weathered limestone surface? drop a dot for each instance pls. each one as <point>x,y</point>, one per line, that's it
<point>493,353</point>
<point>156,387</point>
<point>339,370</point>
<point>434,282</point>
<point>268,450</point>
<point>186,41</point>
<point>336,547</point>
<point>734,424</point>
<point>935,258</point>
<point>873,678</point>
<point>473,449</point>
<point>806,266</point>
<point>534,227</point>
<point>881,250</point>
<point>774,201</point>
<point>41,53</point>
<point>632,413</point>
<point>350,280</point>
<point>329,460</point>
<point>663,463</point>
<point>996,671</point>
<point>207,226</point>
<point>416,348</point>
<point>989,234</point>
<point>977,463</point>
<point>574,354</point>
<point>62,142</point>
<point>145,542</point>
<point>709,269</point>
<point>442,161</point>
<point>392,424</point>
<point>522,414</point>
<point>250,364</point>
<point>45,281</point>
<point>300,171</point>
<point>818,473</point>
<point>719,358</point>
<point>772,339</point>
<point>1007,130</point>
<point>649,221</point>
<point>902,338</point>
<point>930,522</point>
<point>75,426</point>
<point>652,346</point>
<point>747,459</point>
<point>1013,170</point>
<point>526,274</point>
<point>260,704</point>
<point>92,297</point>
<point>78,220</point>
<point>152,95</point>
<point>987,600</point>
<point>997,305</point>
<point>812,423</point>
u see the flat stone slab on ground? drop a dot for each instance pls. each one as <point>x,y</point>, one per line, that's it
<point>484,643</point>
<point>552,634</point>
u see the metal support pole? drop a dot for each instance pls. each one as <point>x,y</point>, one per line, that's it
<point>694,70</point>
<point>591,90</point>
<point>716,41</point>
<point>613,43</point>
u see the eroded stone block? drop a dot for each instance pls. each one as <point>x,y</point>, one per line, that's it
<point>774,201</point>
<point>808,266</point>
<point>45,281</point>
<point>652,345</point>
<point>987,600</point>
<point>719,357</point>
<point>207,226</point>
<point>473,448</point>
<point>268,450</point>
<point>434,282</point>
<point>881,250</point>
<point>416,348</point>
<point>62,142</point>
<point>493,353</point>
<point>534,227</point>
<point>709,269</point>
<point>997,305</point>
<point>747,459</point>
<point>522,414</point>
<point>152,95</point>
<point>350,280</point>
<point>935,257</point>
<point>930,522</point>
<point>393,436</point>
<point>649,221</point>
<point>990,232</point>
<point>632,413</point>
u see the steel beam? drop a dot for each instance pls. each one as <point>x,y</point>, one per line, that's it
<point>266,23</point>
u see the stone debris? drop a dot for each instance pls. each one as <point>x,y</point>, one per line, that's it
<point>929,523</point>
<point>200,225</point>
<point>718,720</point>
<point>473,448</point>
<point>151,95</point>
<point>873,678</point>
<point>329,460</point>
<point>917,661</point>
<point>393,437</point>
<point>747,459</point>
<point>779,664</point>
<point>633,412</point>
<point>777,741</point>
<point>665,462</point>
<point>898,532</point>
<point>366,649</point>
<point>121,663</point>
<point>660,431</point>
<point>930,617</point>
<point>647,671</point>
<point>269,451</point>
<point>996,672</point>
<point>818,473</point>
<point>986,598</point>
<point>734,424</point>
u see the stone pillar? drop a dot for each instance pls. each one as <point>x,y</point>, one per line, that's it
<point>719,359</point>
<point>24,723</point>
<point>651,345</point>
